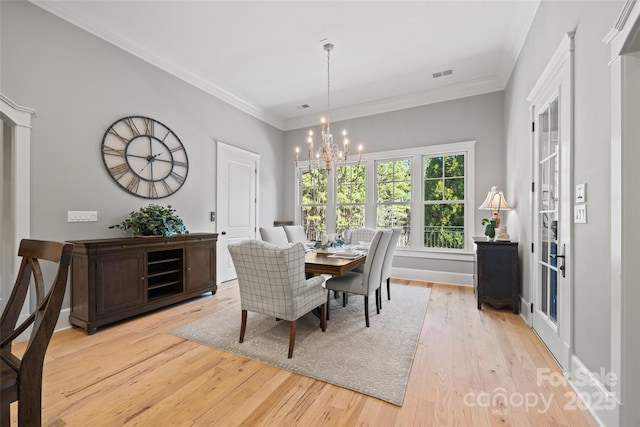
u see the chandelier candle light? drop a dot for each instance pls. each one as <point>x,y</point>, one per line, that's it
<point>329,154</point>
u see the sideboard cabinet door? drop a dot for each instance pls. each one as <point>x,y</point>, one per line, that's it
<point>201,265</point>
<point>497,281</point>
<point>119,282</point>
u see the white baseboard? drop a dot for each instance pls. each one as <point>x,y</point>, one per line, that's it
<point>61,324</point>
<point>525,311</point>
<point>460,279</point>
<point>63,320</point>
<point>603,405</point>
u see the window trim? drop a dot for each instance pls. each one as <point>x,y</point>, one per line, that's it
<point>417,182</point>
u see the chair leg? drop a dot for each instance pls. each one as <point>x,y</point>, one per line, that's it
<point>328,300</point>
<point>344,299</point>
<point>292,337</point>
<point>366,310</point>
<point>243,325</point>
<point>5,415</point>
<point>30,409</point>
<point>389,289</point>
<point>323,318</point>
<point>378,300</point>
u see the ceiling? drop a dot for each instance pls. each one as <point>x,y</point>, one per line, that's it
<point>267,57</point>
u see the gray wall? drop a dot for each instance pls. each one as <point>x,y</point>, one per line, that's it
<point>477,118</point>
<point>591,21</point>
<point>78,85</point>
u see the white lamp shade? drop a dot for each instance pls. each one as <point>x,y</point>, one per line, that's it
<point>495,201</point>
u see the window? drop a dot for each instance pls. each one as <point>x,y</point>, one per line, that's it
<point>351,197</point>
<point>444,200</point>
<point>393,196</point>
<point>426,191</point>
<point>314,202</point>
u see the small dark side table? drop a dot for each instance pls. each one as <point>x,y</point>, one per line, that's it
<point>497,278</point>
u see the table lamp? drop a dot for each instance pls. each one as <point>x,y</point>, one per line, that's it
<point>495,201</point>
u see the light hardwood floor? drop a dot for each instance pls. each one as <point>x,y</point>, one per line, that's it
<point>472,368</point>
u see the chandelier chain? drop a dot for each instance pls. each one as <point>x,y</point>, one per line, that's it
<point>328,48</point>
<point>329,155</point>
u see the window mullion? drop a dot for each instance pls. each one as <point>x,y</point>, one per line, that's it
<point>417,196</point>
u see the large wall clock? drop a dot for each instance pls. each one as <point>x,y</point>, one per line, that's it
<point>144,157</point>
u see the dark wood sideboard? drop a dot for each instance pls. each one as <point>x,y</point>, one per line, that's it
<point>114,279</point>
<point>497,278</point>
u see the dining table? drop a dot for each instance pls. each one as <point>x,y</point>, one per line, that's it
<point>331,263</point>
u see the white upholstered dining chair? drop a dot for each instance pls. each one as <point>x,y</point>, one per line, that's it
<point>388,260</point>
<point>272,281</point>
<point>295,234</point>
<point>275,235</point>
<point>369,280</point>
<point>358,235</point>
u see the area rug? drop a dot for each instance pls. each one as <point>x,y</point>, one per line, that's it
<point>375,361</point>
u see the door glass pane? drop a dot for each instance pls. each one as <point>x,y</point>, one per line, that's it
<point>544,270</point>
<point>553,127</point>
<point>544,237</point>
<point>543,123</point>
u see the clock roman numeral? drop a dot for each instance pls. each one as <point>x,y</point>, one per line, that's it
<point>119,171</point>
<point>179,178</point>
<point>132,126</point>
<point>179,163</point>
<point>165,137</point>
<point>167,188</point>
<point>133,184</point>
<point>153,191</point>
<point>149,126</point>
<point>115,133</point>
<point>112,151</point>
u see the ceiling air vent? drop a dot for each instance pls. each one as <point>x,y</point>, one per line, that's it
<point>442,73</point>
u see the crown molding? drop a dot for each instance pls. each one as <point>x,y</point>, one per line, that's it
<point>446,93</point>
<point>118,37</point>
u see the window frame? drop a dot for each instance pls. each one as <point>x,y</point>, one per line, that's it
<point>417,155</point>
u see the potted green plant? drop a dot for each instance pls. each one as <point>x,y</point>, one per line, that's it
<point>490,227</point>
<point>153,220</point>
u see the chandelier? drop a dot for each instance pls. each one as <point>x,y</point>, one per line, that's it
<point>329,154</point>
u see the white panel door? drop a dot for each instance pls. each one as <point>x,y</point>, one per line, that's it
<point>237,203</point>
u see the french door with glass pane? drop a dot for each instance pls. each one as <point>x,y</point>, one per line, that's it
<point>551,104</point>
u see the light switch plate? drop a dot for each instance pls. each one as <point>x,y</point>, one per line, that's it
<point>580,214</point>
<point>581,193</point>
<point>82,216</point>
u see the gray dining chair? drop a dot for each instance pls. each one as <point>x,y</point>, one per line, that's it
<point>358,235</point>
<point>388,260</point>
<point>369,280</point>
<point>272,281</point>
<point>295,234</point>
<point>275,235</point>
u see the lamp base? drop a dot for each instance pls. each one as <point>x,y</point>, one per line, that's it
<point>502,234</point>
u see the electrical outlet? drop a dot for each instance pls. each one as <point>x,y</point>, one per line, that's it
<point>212,216</point>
